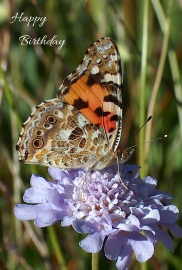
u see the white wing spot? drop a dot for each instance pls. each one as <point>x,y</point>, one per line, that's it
<point>113,57</point>
<point>112,78</point>
<point>59,114</point>
<point>98,61</point>
<point>95,70</point>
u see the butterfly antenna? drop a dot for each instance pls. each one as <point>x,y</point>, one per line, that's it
<point>154,140</point>
<point>148,119</point>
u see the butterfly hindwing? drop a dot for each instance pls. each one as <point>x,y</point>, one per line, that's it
<point>56,134</point>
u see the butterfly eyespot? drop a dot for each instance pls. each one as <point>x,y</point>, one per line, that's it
<point>37,143</point>
<point>39,132</point>
<point>51,119</point>
<point>47,125</point>
<point>56,112</point>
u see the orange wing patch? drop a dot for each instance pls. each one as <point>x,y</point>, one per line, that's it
<point>89,100</point>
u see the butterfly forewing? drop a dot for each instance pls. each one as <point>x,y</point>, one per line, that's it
<point>95,88</point>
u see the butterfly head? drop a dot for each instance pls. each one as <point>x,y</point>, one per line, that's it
<point>126,154</point>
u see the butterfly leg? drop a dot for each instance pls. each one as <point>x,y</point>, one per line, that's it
<point>84,178</point>
<point>119,174</point>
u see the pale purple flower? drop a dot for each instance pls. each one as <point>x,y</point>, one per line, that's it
<point>123,216</point>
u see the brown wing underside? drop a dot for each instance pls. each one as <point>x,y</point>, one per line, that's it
<point>56,134</point>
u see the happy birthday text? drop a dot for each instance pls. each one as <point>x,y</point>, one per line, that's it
<point>32,21</point>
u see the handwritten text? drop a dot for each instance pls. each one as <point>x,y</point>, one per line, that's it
<point>27,40</point>
<point>29,20</point>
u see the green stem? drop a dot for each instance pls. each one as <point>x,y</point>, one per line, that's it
<point>95,261</point>
<point>160,70</point>
<point>172,60</point>
<point>143,84</point>
<point>177,84</point>
<point>160,13</point>
<point>57,248</point>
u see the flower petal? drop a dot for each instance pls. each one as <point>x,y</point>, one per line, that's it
<point>127,227</point>
<point>34,195</point>
<point>67,221</point>
<point>39,182</point>
<point>150,183</point>
<point>152,216</point>
<point>43,214</point>
<point>92,243</point>
<point>163,237</point>
<point>47,217</point>
<point>82,226</point>
<point>169,214</point>
<point>112,247</point>
<point>57,174</point>
<point>26,212</point>
<point>175,229</point>
<point>142,247</point>
<point>124,257</point>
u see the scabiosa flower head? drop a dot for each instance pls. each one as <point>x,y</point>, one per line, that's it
<point>123,216</point>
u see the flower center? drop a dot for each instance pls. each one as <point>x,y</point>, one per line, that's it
<point>102,194</point>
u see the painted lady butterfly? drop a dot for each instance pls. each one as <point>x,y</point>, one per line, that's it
<point>81,128</point>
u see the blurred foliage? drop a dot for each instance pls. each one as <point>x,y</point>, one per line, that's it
<point>29,74</point>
